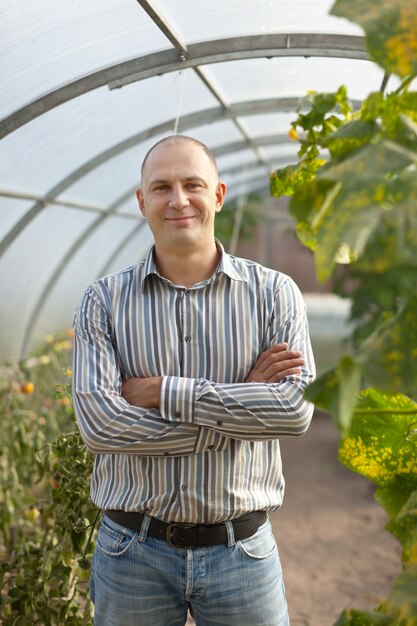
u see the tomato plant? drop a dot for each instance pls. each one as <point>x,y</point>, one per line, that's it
<point>47,521</point>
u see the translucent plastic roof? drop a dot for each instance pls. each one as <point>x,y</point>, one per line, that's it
<point>87,87</point>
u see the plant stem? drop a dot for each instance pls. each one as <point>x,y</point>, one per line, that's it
<point>384,82</point>
<point>405,83</point>
<point>90,536</point>
<point>385,411</point>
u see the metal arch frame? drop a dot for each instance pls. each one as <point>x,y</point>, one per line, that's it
<point>203,53</point>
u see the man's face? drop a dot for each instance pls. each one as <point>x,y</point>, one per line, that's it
<point>179,196</point>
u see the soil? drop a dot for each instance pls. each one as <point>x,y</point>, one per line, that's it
<point>330,532</point>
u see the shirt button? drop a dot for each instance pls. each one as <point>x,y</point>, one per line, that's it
<point>178,414</point>
<point>184,486</point>
<point>219,422</point>
<point>187,338</point>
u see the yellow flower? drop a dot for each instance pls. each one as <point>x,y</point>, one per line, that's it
<point>292,133</point>
<point>32,514</point>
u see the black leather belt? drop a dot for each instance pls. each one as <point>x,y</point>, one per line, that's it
<point>191,535</point>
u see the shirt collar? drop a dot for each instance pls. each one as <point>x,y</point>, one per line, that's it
<point>226,266</point>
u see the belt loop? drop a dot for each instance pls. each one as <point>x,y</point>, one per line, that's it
<point>230,534</point>
<point>144,528</point>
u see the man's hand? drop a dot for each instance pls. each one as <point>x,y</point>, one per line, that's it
<point>275,364</point>
<point>271,367</point>
<point>143,392</point>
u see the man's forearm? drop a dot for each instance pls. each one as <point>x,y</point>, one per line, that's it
<point>272,366</point>
<point>143,392</point>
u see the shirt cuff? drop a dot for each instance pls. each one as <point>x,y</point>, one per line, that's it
<point>177,399</point>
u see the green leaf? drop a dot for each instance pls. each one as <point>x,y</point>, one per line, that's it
<point>393,497</point>
<point>374,159</point>
<point>282,181</point>
<point>319,105</point>
<point>352,617</point>
<point>287,180</point>
<point>390,27</point>
<point>349,376</point>
<point>403,597</point>
<point>353,213</point>
<point>373,107</point>
<point>376,445</point>
<point>349,223</point>
<point>389,356</point>
<point>336,391</point>
<point>404,527</point>
<point>308,206</point>
<point>393,242</point>
<point>350,137</point>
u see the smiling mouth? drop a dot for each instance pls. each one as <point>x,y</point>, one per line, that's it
<point>181,220</point>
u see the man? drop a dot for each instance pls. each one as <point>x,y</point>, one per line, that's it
<point>188,368</point>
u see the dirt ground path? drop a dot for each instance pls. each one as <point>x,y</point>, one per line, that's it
<point>330,532</point>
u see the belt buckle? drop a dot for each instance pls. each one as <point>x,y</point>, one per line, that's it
<point>170,531</point>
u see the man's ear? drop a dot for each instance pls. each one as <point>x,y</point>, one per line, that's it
<point>220,196</point>
<point>141,201</point>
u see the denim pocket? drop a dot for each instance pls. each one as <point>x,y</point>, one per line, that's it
<point>114,540</point>
<point>261,545</point>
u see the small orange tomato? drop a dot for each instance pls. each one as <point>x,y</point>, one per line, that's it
<point>55,480</point>
<point>27,388</point>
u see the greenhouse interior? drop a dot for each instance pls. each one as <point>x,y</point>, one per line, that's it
<point>310,110</point>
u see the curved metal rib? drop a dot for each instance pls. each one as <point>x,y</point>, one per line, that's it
<point>203,53</point>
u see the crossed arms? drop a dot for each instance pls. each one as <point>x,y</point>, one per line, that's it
<point>272,366</point>
<point>177,416</point>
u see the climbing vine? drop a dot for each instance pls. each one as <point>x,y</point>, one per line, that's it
<point>354,197</point>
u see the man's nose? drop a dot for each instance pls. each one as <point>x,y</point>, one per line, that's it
<point>179,197</point>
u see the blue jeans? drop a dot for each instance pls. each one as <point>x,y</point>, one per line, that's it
<point>137,580</point>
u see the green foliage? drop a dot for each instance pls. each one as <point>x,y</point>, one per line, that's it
<point>336,391</point>
<point>359,210</point>
<point>387,359</point>
<point>390,28</point>
<point>389,356</point>
<point>352,617</point>
<point>378,443</point>
<point>225,220</point>
<point>47,521</point>
<point>402,601</point>
<point>294,177</point>
<point>381,444</point>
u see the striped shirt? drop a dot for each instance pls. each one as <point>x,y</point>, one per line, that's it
<point>211,451</point>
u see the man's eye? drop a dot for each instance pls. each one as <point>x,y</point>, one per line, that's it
<point>160,187</point>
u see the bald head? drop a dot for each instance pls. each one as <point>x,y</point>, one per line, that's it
<point>181,140</point>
